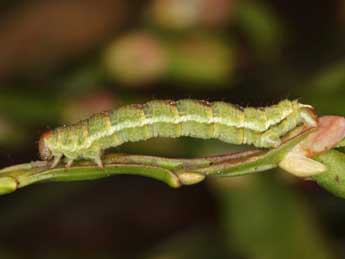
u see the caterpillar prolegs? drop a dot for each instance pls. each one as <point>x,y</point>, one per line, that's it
<point>261,127</point>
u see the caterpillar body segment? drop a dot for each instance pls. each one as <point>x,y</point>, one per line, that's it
<point>261,127</point>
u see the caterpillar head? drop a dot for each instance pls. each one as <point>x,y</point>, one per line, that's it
<point>45,152</point>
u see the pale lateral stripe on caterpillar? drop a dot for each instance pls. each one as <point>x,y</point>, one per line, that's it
<point>261,127</point>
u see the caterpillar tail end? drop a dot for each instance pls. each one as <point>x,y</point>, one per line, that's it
<point>309,116</point>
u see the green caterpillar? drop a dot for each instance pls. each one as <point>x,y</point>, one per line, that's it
<point>261,127</point>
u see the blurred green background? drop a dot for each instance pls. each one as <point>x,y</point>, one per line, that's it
<point>61,61</point>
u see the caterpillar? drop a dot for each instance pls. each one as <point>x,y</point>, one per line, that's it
<point>261,127</point>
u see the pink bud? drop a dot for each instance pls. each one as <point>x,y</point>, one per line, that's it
<point>330,132</point>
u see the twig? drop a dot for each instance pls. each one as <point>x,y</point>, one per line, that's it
<point>174,172</point>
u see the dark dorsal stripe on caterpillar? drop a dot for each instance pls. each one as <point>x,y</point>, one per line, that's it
<point>261,127</point>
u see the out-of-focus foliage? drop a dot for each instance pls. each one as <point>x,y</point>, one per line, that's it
<point>136,59</point>
<point>187,245</point>
<point>79,108</point>
<point>264,219</point>
<point>9,134</point>
<point>63,60</point>
<point>261,26</point>
<point>201,60</point>
<point>177,14</point>
<point>192,60</point>
<point>328,84</point>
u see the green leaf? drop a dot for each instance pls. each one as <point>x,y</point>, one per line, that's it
<point>333,179</point>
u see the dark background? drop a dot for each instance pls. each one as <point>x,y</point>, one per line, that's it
<point>61,61</point>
